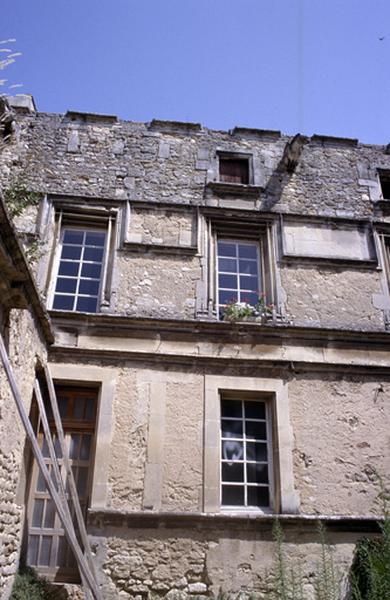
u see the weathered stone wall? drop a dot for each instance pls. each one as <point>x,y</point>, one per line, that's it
<point>341,440</point>
<point>173,564</point>
<point>117,159</point>
<point>162,164</point>
<point>332,297</point>
<point>161,227</point>
<point>156,286</point>
<point>158,429</point>
<point>24,348</point>
<point>339,424</point>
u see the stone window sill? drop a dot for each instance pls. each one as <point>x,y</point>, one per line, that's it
<point>233,189</point>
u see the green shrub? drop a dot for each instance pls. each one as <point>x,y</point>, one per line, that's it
<point>370,573</point>
<point>28,586</point>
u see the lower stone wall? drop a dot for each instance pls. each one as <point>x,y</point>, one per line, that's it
<point>24,347</point>
<point>176,563</point>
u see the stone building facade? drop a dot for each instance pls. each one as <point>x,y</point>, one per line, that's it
<point>203,428</point>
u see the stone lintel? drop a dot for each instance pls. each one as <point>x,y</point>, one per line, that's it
<point>333,140</point>
<point>87,117</point>
<point>175,126</point>
<point>251,132</point>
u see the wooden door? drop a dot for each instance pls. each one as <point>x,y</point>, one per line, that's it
<point>47,549</point>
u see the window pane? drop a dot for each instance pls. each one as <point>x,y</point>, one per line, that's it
<point>87,304</point>
<point>228,281</point>
<point>85,447</point>
<point>227,296</point>
<point>63,302</point>
<point>233,472</point>
<point>231,428</point>
<point>249,298</point>
<point>33,545</point>
<point>227,265</point>
<point>95,254</point>
<point>78,408</point>
<point>91,270</point>
<point>249,283</point>
<point>68,268</point>
<point>63,405</point>
<point>232,495</point>
<point>45,448</point>
<point>41,485</point>
<point>256,473</point>
<point>61,552</point>
<point>37,513</point>
<point>89,286</point>
<point>232,450</point>
<point>72,252</point>
<point>72,236</point>
<point>248,266</point>
<point>66,285</point>
<point>95,238</point>
<point>256,451</point>
<point>44,555</point>
<point>82,481</point>
<point>255,410</point>
<point>231,408</point>
<point>247,251</point>
<point>74,446</point>
<point>90,409</point>
<point>49,514</point>
<point>258,496</point>
<point>256,430</point>
<point>226,249</point>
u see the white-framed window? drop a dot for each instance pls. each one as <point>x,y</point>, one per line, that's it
<point>238,272</point>
<point>79,270</point>
<point>246,454</point>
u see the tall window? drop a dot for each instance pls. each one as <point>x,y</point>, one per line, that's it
<point>47,549</point>
<point>239,278</point>
<point>245,454</point>
<point>79,274</point>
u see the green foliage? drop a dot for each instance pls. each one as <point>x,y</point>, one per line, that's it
<point>288,582</point>
<point>370,574</point>
<point>234,311</point>
<point>17,198</point>
<point>28,586</point>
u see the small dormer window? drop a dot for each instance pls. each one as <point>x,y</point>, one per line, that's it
<point>234,168</point>
<point>384,178</point>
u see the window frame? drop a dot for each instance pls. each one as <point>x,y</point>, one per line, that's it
<point>56,265</point>
<point>285,496</point>
<point>384,182</point>
<point>260,269</point>
<point>235,156</point>
<point>262,231</point>
<point>73,426</point>
<point>267,400</point>
<point>95,219</point>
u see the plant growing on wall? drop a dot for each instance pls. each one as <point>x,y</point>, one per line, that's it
<point>288,582</point>
<point>17,198</point>
<point>236,311</point>
<point>370,573</point>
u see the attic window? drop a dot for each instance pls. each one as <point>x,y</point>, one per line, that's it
<point>384,178</point>
<point>233,169</point>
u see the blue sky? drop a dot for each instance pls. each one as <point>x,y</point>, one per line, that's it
<point>309,66</point>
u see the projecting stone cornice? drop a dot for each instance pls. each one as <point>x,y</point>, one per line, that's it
<point>103,519</point>
<point>207,343</point>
